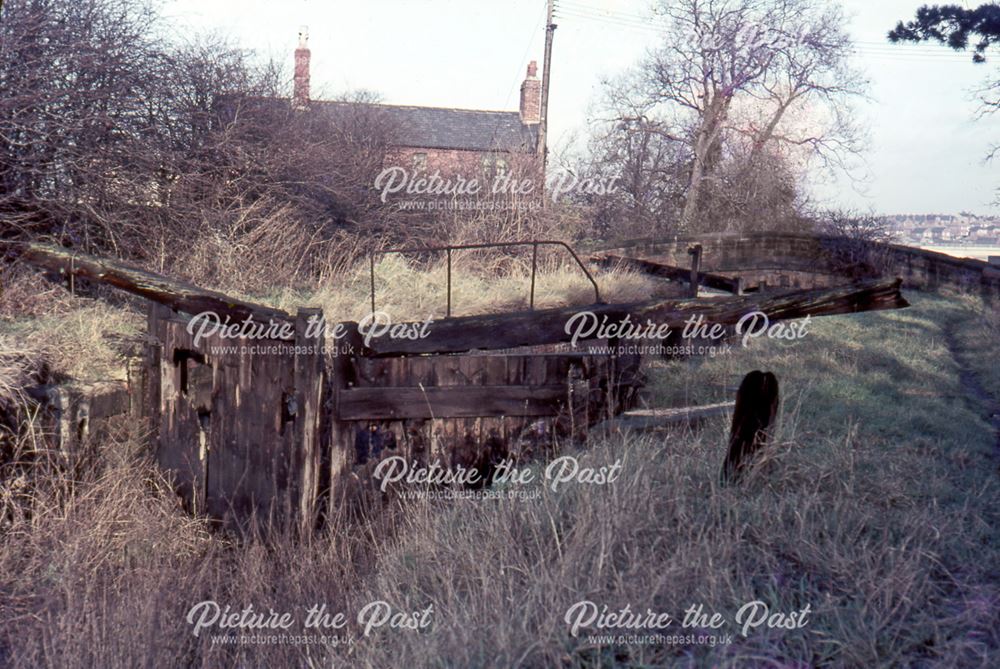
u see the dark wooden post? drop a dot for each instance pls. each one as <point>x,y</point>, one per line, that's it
<point>695,253</point>
<point>137,373</point>
<point>756,408</point>
<point>342,371</point>
<point>309,401</point>
<point>152,399</point>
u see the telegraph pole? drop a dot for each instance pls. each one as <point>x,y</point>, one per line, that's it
<point>543,125</point>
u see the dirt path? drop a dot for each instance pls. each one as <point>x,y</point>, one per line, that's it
<point>984,402</point>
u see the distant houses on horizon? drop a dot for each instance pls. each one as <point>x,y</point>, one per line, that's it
<point>964,229</point>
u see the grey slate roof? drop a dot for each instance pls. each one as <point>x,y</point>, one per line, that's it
<point>442,128</point>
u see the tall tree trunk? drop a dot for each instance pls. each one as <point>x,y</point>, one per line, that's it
<point>705,142</point>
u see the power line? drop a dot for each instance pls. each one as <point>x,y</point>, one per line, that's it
<point>892,52</point>
<point>906,45</point>
<point>638,18</point>
<point>915,57</point>
<point>617,17</point>
<point>605,14</point>
<point>911,49</point>
<point>874,50</point>
<point>611,20</point>
<point>524,57</point>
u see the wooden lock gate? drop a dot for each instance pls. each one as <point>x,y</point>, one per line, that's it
<point>270,427</point>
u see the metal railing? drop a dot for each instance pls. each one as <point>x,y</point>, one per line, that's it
<point>534,244</point>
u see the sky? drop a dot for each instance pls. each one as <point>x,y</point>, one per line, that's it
<point>925,150</point>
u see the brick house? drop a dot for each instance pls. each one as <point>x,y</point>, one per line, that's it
<point>444,139</point>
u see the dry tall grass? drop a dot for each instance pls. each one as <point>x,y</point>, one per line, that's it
<point>481,283</point>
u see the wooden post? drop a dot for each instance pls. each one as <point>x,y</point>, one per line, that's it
<point>342,372</point>
<point>59,402</point>
<point>543,125</point>
<point>152,399</point>
<point>136,370</point>
<point>756,408</point>
<point>309,401</point>
<point>695,252</point>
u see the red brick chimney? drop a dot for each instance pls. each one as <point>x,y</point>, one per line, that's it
<point>531,96</point>
<point>300,93</point>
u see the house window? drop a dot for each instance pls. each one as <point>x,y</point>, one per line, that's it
<point>420,161</point>
<point>495,165</point>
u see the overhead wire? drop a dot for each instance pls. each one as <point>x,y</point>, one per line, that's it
<point>873,50</point>
<point>524,57</point>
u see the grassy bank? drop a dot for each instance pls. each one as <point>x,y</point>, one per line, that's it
<point>877,507</point>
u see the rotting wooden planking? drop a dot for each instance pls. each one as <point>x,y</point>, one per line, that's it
<point>395,403</point>
<point>75,411</point>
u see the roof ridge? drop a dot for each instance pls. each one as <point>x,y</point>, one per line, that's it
<point>399,106</point>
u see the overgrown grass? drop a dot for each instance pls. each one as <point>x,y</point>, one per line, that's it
<point>877,506</point>
<point>891,372</point>
<point>408,291</point>
<point>43,325</point>
<point>77,343</point>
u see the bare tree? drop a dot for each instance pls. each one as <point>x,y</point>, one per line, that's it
<point>753,191</point>
<point>630,144</point>
<point>76,77</point>
<point>737,72</point>
<point>113,138</point>
<point>860,241</point>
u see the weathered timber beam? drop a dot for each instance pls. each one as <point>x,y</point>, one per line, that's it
<point>493,331</point>
<point>178,295</point>
<point>707,279</point>
<point>654,419</point>
<point>549,326</point>
<point>396,403</point>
